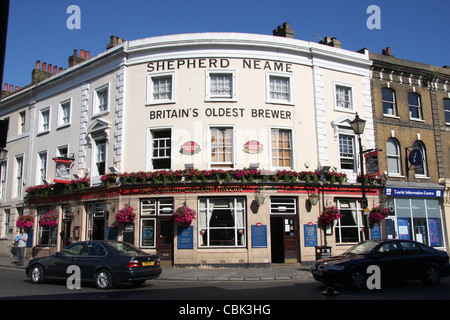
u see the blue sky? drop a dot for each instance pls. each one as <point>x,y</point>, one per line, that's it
<point>415,30</point>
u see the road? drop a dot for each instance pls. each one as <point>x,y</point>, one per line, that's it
<point>180,295</point>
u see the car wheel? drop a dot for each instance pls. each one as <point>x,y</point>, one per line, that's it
<point>357,279</point>
<point>103,280</point>
<point>37,274</point>
<point>432,276</point>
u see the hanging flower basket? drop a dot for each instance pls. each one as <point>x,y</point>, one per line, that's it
<point>184,216</point>
<point>25,222</point>
<point>126,215</point>
<point>377,214</point>
<point>49,219</point>
<point>328,216</point>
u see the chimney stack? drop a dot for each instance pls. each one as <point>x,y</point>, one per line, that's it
<point>41,71</point>
<point>284,31</point>
<point>76,59</point>
<point>8,89</point>
<point>386,52</point>
<point>114,41</point>
<point>332,42</point>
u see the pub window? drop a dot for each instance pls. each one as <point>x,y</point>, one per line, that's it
<point>19,176</point>
<point>221,222</point>
<point>44,120</point>
<point>279,88</point>
<point>42,167</point>
<point>64,113</point>
<point>46,235</point>
<point>347,152</point>
<point>221,147</point>
<point>220,85</point>
<point>161,149</point>
<point>281,148</point>
<point>101,99</point>
<point>100,157</point>
<point>22,121</point>
<point>160,88</point>
<point>343,95</point>
<point>348,228</point>
<point>3,166</point>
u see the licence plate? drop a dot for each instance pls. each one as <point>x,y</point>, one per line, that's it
<point>150,263</point>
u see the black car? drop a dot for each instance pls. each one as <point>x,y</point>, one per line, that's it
<point>396,259</point>
<point>101,262</point>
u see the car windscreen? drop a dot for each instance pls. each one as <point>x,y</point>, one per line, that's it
<point>362,248</point>
<point>126,248</point>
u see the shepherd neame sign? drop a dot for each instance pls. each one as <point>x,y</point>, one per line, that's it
<point>167,65</point>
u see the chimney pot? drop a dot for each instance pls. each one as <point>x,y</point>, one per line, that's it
<point>60,69</point>
<point>17,88</point>
<point>82,53</point>
<point>44,65</point>
<point>87,55</point>
<point>55,69</point>
<point>49,69</point>
<point>75,52</point>
<point>38,64</point>
<point>5,87</point>
<point>11,87</point>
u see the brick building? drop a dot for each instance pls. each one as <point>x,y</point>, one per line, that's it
<point>411,115</point>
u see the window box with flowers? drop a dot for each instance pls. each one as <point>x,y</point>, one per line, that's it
<point>126,215</point>
<point>184,216</point>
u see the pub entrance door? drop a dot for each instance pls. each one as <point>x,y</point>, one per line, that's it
<point>164,240</point>
<point>284,230</point>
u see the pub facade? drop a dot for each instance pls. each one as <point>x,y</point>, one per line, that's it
<point>208,149</point>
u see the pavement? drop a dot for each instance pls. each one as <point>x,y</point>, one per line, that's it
<point>289,271</point>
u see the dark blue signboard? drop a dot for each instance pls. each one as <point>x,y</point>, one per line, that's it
<point>415,157</point>
<point>405,192</point>
<point>375,232</point>
<point>259,236</point>
<point>403,229</point>
<point>186,238</point>
<point>310,235</point>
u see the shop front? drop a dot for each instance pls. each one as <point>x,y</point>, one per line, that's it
<point>415,214</point>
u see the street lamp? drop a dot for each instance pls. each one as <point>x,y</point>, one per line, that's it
<point>358,125</point>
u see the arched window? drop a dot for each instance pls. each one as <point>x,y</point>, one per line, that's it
<point>421,169</point>
<point>393,156</point>
<point>389,106</point>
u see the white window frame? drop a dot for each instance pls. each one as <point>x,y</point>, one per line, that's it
<point>96,100</point>
<point>204,216</point>
<point>22,121</point>
<point>396,157</point>
<point>210,96</point>
<point>359,217</point>
<point>19,175</point>
<point>62,115</point>
<point>393,103</point>
<point>149,157</point>
<point>217,165</point>
<point>355,152</point>
<point>269,99</point>
<point>44,124</point>
<point>150,88</point>
<point>41,172</point>
<point>419,107</point>
<point>351,108</point>
<point>6,222</point>
<point>445,110</point>
<point>273,166</point>
<point>3,176</point>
